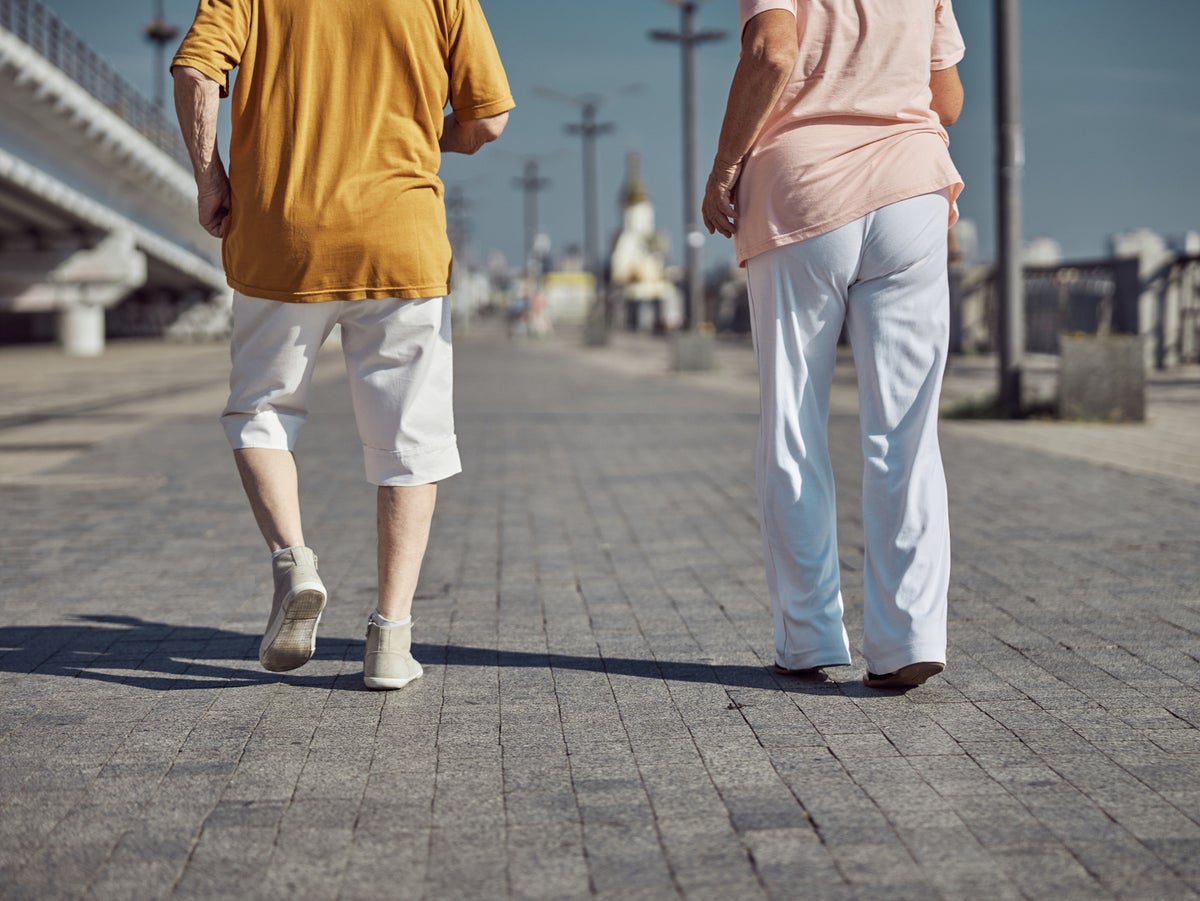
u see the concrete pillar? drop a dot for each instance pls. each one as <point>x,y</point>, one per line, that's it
<point>81,329</point>
<point>1156,321</point>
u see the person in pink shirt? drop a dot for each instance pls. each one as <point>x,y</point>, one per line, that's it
<point>834,178</point>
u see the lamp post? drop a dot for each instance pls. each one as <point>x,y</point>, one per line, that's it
<point>160,32</point>
<point>588,129</point>
<point>688,38</point>
<point>458,226</point>
<point>531,183</point>
<point>1010,162</point>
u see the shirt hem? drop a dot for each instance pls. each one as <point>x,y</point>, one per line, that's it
<point>868,206</point>
<point>483,110</point>
<point>420,292</point>
<point>945,62</point>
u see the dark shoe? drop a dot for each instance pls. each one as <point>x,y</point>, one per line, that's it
<point>906,677</point>
<point>806,673</point>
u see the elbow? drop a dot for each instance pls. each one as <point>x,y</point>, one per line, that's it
<point>479,132</point>
<point>492,127</point>
<point>776,61</point>
<point>952,108</point>
<point>948,116</point>
<point>782,60</point>
<point>946,92</point>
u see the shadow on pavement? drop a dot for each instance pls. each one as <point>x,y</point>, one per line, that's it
<point>667,670</point>
<point>126,650</point>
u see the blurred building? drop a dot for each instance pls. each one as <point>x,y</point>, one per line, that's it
<point>638,274</point>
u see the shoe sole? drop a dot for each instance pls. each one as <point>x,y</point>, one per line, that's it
<point>291,637</point>
<point>377,683</point>
<point>907,676</point>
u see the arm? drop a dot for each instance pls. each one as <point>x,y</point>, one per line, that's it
<point>467,137</point>
<point>196,100</point>
<point>947,91</point>
<point>769,52</point>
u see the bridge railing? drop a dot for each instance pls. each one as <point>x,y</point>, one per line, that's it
<point>1176,288</point>
<point>1093,297</point>
<point>47,34</point>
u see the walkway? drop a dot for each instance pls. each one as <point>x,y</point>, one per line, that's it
<point>597,717</point>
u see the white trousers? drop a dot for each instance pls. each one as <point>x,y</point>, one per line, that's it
<point>400,363</point>
<point>884,277</point>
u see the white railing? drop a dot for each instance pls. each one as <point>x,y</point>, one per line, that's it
<point>47,34</point>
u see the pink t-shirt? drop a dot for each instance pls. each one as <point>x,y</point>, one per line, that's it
<point>853,130</point>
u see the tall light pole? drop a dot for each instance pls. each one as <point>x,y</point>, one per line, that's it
<point>1010,162</point>
<point>531,183</point>
<point>688,38</point>
<point>160,32</point>
<point>458,226</point>
<point>588,129</point>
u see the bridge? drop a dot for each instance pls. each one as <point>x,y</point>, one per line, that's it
<point>98,224</point>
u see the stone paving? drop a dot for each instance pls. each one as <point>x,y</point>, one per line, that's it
<point>597,716</point>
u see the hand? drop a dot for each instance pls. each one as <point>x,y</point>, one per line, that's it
<point>214,202</point>
<point>717,210</point>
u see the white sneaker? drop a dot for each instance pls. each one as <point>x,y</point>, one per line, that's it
<point>388,662</point>
<point>291,636</point>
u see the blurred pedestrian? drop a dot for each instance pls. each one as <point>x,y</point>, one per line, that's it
<point>833,176</point>
<point>331,214</point>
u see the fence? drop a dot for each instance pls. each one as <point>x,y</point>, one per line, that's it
<point>45,33</point>
<point>1092,297</point>
<point>1176,290</point>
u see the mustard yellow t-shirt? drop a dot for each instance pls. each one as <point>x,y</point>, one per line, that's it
<point>337,112</point>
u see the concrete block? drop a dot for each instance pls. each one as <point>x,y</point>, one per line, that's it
<point>1102,377</point>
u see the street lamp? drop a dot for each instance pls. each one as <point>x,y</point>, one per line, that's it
<point>160,32</point>
<point>532,184</point>
<point>588,129</point>
<point>688,38</point>
<point>1010,162</point>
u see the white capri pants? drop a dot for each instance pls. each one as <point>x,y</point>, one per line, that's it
<point>400,364</point>
<point>884,276</point>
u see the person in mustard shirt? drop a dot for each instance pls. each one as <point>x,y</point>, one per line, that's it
<point>833,176</point>
<point>331,213</point>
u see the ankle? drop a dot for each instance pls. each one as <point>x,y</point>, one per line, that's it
<point>384,623</point>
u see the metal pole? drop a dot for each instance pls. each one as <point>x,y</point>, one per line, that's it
<point>160,94</point>
<point>457,226</point>
<point>1010,162</point>
<point>695,314</point>
<point>531,188</point>
<point>589,129</point>
<point>531,183</point>
<point>160,32</point>
<point>591,228</point>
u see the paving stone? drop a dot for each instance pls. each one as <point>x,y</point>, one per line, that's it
<point>598,717</point>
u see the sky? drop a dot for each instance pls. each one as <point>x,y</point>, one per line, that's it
<point>1110,96</point>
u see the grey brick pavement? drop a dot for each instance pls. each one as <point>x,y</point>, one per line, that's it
<point>597,717</point>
